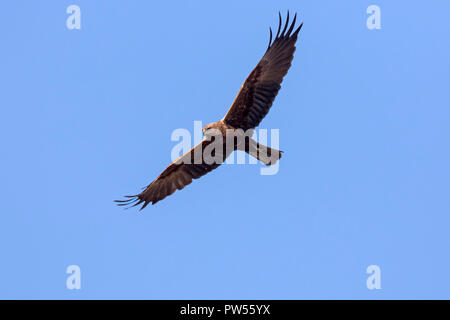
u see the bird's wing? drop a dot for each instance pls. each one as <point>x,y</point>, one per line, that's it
<point>176,176</point>
<point>261,87</point>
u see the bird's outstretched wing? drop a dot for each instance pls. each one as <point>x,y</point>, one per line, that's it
<point>176,176</point>
<point>261,87</point>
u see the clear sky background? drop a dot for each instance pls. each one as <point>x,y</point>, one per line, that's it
<point>86,117</point>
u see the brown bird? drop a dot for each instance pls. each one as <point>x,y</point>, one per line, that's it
<point>248,109</point>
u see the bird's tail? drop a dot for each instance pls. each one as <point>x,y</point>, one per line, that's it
<point>265,154</point>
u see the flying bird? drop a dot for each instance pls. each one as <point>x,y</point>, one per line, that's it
<point>247,111</point>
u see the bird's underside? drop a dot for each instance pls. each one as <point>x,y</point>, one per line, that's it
<point>251,105</point>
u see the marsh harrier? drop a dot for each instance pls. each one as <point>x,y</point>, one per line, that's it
<point>248,109</point>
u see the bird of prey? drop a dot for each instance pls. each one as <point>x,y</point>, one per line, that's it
<point>248,109</point>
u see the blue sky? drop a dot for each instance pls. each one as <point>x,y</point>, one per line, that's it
<point>87,117</point>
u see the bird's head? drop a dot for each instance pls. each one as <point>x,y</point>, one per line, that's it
<point>209,127</point>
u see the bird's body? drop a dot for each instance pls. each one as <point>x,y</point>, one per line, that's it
<point>251,105</point>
